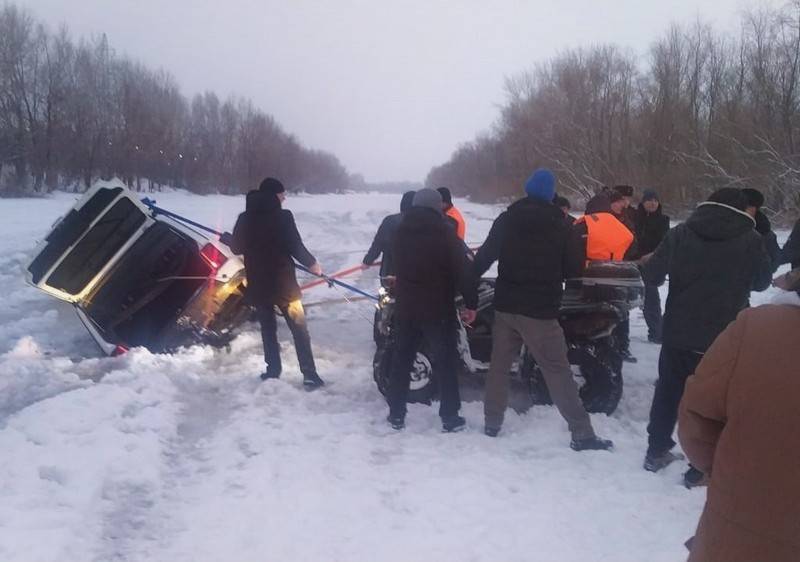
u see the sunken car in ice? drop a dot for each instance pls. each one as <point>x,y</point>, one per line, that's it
<point>592,308</point>
<point>139,278</point>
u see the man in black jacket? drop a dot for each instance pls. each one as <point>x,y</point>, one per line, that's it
<point>431,267</point>
<point>652,226</point>
<point>267,236</point>
<point>536,250</point>
<point>790,253</point>
<point>755,200</point>
<point>713,261</point>
<point>384,238</point>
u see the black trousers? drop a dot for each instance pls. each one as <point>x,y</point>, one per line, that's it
<point>622,333</point>
<point>652,312</point>
<point>296,320</point>
<point>441,338</point>
<point>674,367</point>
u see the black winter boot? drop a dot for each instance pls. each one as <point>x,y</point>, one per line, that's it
<point>654,461</point>
<point>591,444</point>
<point>451,424</point>
<point>312,382</point>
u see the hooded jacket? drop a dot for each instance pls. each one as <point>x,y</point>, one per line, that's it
<point>713,261</point>
<point>650,229</point>
<point>536,251</point>
<point>267,236</point>
<point>431,267</point>
<point>740,424</point>
<point>384,238</point>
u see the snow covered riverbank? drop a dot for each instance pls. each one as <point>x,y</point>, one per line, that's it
<point>190,458</point>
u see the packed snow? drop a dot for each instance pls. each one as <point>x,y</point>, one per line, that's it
<point>189,457</point>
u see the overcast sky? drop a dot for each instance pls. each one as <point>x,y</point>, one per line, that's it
<point>391,87</point>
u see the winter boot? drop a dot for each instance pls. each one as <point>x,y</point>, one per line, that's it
<point>270,374</point>
<point>451,424</point>
<point>312,382</point>
<point>491,431</point>
<point>653,462</point>
<point>627,356</point>
<point>397,422</point>
<point>591,444</point>
<point>693,478</point>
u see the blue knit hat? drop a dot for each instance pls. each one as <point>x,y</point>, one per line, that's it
<point>541,185</point>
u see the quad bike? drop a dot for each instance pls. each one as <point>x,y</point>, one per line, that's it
<point>591,309</point>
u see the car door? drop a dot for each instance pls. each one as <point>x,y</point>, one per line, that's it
<point>86,242</point>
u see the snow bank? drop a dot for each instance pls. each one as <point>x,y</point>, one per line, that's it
<point>190,458</point>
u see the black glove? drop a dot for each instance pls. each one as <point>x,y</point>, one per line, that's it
<point>763,226</point>
<point>226,238</point>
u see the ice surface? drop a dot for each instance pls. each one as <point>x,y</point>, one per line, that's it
<point>190,458</point>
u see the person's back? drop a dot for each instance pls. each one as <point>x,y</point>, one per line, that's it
<point>713,261</point>
<point>740,423</point>
<point>383,243</point>
<point>428,262</point>
<point>536,251</point>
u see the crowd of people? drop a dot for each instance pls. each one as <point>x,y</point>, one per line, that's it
<point>727,373</point>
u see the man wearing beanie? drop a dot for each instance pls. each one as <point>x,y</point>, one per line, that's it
<point>431,267</point>
<point>384,238</point>
<point>755,200</point>
<point>652,226</point>
<point>267,236</point>
<point>453,214</point>
<point>713,261</point>
<point>537,251</point>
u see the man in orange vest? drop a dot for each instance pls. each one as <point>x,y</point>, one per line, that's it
<point>452,213</point>
<point>607,238</point>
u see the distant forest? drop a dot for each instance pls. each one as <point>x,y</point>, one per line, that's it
<point>700,111</point>
<point>73,111</point>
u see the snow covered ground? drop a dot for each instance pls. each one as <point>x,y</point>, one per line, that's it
<point>190,458</point>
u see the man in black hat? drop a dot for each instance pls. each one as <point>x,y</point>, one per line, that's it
<point>755,200</point>
<point>713,261</point>
<point>652,226</point>
<point>267,236</point>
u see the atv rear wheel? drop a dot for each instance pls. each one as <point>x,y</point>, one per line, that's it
<point>601,374</point>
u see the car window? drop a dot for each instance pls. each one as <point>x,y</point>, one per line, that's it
<point>97,247</point>
<point>70,229</point>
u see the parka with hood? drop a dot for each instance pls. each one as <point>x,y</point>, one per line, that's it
<point>713,261</point>
<point>267,236</point>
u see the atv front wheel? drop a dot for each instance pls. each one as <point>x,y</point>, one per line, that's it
<point>422,387</point>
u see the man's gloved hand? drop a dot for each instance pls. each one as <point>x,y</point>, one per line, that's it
<point>763,226</point>
<point>226,238</point>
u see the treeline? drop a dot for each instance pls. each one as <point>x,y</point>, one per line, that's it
<point>706,111</point>
<point>72,112</point>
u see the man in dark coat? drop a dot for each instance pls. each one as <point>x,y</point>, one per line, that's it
<point>652,226</point>
<point>755,200</point>
<point>267,236</point>
<point>713,261</point>
<point>384,238</point>
<point>431,267</point>
<point>565,206</point>
<point>536,250</point>
<point>790,253</point>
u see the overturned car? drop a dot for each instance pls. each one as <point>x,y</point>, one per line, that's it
<point>139,278</point>
<point>592,308</point>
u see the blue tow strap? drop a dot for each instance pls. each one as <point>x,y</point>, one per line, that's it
<point>151,204</point>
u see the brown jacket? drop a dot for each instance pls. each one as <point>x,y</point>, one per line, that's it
<point>740,423</point>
